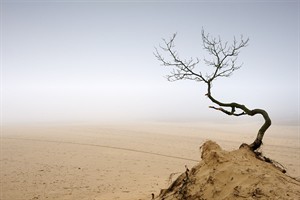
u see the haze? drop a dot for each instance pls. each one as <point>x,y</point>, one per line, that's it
<point>92,61</point>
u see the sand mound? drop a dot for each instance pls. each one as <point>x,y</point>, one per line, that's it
<point>237,174</point>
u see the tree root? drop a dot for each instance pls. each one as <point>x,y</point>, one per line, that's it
<point>261,157</point>
<point>276,164</point>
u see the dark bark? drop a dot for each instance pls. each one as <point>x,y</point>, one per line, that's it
<point>246,111</point>
<point>223,63</point>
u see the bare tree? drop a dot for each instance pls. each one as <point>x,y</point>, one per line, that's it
<point>223,64</point>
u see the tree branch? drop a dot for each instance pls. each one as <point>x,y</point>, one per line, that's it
<point>223,62</point>
<point>184,69</point>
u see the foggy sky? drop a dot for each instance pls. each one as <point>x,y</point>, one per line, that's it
<point>93,60</point>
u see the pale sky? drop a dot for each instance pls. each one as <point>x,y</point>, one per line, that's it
<point>92,61</point>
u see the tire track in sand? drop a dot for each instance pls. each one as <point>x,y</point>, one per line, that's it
<point>102,146</point>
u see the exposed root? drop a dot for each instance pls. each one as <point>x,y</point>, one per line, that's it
<point>276,164</point>
<point>260,156</point>
<point>170,179</point>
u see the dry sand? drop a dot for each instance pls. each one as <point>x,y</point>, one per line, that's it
<point>119,161</point>
<point>225,175</point>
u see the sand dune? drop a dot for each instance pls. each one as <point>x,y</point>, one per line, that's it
<point>238,174</point>
<point>115,161</point>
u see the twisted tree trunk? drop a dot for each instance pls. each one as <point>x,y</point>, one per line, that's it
<point>223,63</point>
<point>258,141</point>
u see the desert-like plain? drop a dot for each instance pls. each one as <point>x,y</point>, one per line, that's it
<point>120,161</point>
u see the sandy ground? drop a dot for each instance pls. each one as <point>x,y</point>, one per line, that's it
<point>119,161</point>
<point>227,175</point>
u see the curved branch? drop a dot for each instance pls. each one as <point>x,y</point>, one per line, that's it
<point>227,112</point>
<point>246,111</point>
<point>223,65</point>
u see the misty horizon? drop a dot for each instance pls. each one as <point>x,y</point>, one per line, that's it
<point>93,62</point>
